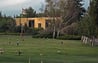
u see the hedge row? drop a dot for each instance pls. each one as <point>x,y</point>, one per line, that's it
<point>65,37</point>
<point>14,34</point>
<point>69,37</point>
<point>42,36</point>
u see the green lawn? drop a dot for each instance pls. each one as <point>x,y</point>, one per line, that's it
<point>71,51</point>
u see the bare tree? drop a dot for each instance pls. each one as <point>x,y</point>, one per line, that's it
<point>63,12</point>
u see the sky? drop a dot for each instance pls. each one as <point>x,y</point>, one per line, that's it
<point>13,7</point>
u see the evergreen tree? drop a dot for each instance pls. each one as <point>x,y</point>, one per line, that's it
<point>93,10</point>
<point>75,10</point>
<point>96,11</point>
<point>29,12</point>
<point>89,24</point>
<point>0,15</point>
<point>93,15</point>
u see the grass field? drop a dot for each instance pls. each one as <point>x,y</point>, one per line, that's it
<point>46,50</point>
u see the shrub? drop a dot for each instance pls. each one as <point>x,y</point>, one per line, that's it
<point>42,36</point>
<point>69,37</point>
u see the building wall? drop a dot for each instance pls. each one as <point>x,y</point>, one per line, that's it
<point>23,21</point>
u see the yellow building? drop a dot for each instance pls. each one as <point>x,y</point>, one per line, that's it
<point>40,22</point>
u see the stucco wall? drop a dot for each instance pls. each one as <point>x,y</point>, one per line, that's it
<point>24,21</point>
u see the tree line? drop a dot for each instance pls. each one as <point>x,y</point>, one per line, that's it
<point>7,23</point>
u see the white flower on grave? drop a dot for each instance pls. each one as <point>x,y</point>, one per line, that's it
<point>58,51</point>
<point>41,54</point>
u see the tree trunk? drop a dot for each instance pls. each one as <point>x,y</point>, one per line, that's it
<point>54,30</point>
<point>58,33</point>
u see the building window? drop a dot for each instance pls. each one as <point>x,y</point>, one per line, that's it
<point>39,25</point>
<point>48,23</point>
<point>31,23</point>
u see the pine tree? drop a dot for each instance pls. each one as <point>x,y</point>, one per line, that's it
<point>75,10</point>
<point>93,10</point>
<point>0,15</point>
<point>89,24</point>
<point>96,11</point>
<point>93,16</point>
